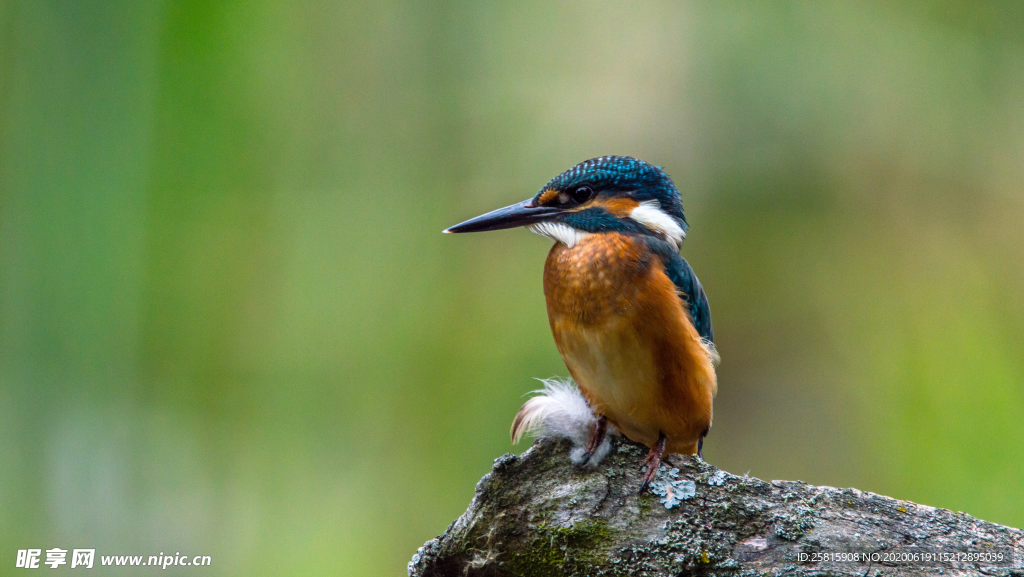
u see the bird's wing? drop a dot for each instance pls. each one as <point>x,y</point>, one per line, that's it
<point>682,275</point>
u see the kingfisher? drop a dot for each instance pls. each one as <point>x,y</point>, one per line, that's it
<point>628,315</point>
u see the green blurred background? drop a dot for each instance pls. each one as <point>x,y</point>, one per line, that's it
<point>229,324</point>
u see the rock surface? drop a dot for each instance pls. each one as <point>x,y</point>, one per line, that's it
<point>539,515</point>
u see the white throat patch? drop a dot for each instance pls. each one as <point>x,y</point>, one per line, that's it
<point>650,215</point>
<point>558,232</point>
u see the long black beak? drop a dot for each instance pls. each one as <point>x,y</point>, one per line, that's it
<point>519,214</point>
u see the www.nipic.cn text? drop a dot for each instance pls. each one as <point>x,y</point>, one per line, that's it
<point>32,558</point>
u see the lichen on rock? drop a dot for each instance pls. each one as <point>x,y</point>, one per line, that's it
<point>671,488</point>
<point>538,514</point>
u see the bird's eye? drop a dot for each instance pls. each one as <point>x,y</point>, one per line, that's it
<point>582,194</point>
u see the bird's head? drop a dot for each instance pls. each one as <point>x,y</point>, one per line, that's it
<point>606,194</point>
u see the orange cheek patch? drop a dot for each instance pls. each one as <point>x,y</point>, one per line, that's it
<point>619,207</point>
<point>547,196</point>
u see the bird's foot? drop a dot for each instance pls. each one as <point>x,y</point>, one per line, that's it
<point>597,434</point>
<point>652,461</point>
<point>700,448</point>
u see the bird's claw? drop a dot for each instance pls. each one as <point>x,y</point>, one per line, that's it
<point>651,463</point>
<point>597,434</point>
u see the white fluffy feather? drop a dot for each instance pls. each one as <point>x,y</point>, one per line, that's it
<point>561,410</point>
<point>558,232</point>
<point>650,215</point>
<point>712,351</point>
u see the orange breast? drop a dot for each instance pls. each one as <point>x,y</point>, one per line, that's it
<point>628,341</point>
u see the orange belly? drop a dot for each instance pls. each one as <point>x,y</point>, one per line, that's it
<point>628,341</point>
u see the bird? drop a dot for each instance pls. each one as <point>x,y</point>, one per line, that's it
<point>627,312</point>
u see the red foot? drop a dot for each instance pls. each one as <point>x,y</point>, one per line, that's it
<point>652,461</point>
<point>596,437</point>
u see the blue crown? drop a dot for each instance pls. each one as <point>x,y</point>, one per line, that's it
<point>624,174</point>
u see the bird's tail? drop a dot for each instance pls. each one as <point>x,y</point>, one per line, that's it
<point>560,410</point>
